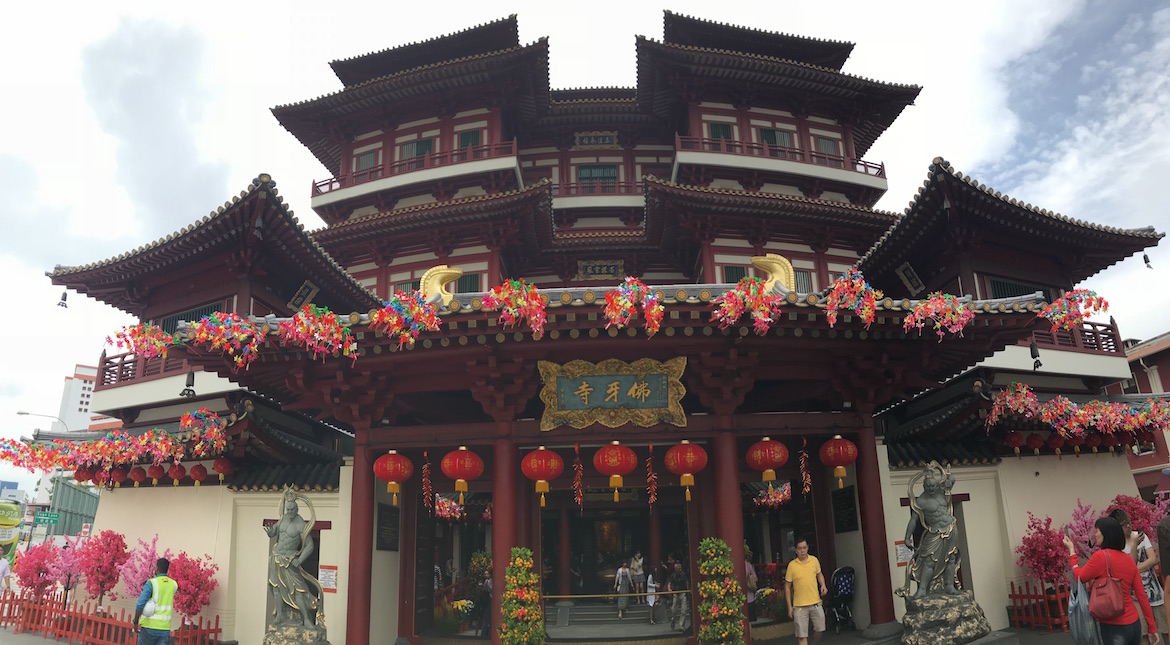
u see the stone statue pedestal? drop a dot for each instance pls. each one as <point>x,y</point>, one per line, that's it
<point>944,619</point>
<point>294,634</point>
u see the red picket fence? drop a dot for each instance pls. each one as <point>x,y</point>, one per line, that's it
<point>79,623</point>
<point>1032,608</point>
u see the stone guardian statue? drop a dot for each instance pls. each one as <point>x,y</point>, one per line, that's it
<point>939,612</point>
<point>297,601</point>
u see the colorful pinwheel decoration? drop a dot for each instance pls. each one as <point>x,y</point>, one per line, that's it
<point>852,292</point>
<point>944,310</point>
<point>517,302</point>
<point>1071,309</point>
<point>405,315</point>
<point>748,296</point>
<point>621,305</point>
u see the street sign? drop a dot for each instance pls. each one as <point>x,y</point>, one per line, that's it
<point>47,518</point>
<point>85,530</point>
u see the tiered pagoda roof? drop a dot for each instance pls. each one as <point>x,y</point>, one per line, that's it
<point>950,200</point>
<point>489,37</point>
<point>256,218</point>
<point>802,88</point>
<point>679,29</point>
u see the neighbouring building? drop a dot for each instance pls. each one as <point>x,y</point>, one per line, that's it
<point>1148,361</point>
<point>739,153</point>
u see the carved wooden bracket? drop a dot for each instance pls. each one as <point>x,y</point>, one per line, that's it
<point>721,381</point>
<point>503,386</point>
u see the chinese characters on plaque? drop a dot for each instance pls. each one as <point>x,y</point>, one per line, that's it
<point>612,393</point>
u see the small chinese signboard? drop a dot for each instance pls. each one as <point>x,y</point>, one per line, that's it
<point>595,140</point>
<point>608,270</point>
<point>47,518</point>
<point>612,393</point>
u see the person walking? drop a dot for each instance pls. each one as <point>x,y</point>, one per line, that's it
<point>485,627</point>
<point>651,588</point>
<point>680,608</point>
<point>639,575</point>
<point>154,625</point>
<point>752,582</point>
<point>1145,556</point>
<point>803,581</point>
<point>1110,560</point>
<point>623,584</point>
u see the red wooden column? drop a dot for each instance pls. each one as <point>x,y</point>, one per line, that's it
<point>503,517</point>
<point>873,528</point>
<point>361,541</point>
<point>729,503</point>
<point>566,562</point>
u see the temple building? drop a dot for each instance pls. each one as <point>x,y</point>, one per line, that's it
<point>451,167</point>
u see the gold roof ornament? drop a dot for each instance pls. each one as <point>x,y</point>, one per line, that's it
<point>433,285</point>
<point>779,269</point>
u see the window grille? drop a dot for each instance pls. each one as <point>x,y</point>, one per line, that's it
<point>468,283</point>
<point>733,274</point>
<point>804,282</point>
<point>1008,289</point>
<point>719,130</point>
<point>170,323</point>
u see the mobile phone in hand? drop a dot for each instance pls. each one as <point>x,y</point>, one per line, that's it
<point>1068,531</point>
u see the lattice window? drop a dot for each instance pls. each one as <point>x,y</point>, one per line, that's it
<point>170,323</point>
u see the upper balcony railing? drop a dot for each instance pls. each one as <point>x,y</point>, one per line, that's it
<point>767,150</point>
<point>127,369</point>
<point>1089,338</point>
<point>591,188</point>
<point>411,164</point>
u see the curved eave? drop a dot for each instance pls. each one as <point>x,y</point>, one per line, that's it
<point>1101,246</point>
<point>873,104</point>
<point>687,30</point>
<point>466,209</point>
<point>574,317</point>
<point>728,202</point>
<point>308,120</point>
<point>221,230</point>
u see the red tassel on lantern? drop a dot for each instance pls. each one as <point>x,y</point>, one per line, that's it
<point>1075,442</point>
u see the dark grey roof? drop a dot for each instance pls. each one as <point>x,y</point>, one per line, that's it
<point>303,477</point>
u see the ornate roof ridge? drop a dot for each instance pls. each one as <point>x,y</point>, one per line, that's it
<point>765,32</point>
<point>510,17</point>
<point>651,179</point>
<point>413,70</point>
<point>940,164</point>
<point>940,167</point>
<point>543,183</point>
<point>783,61</point>
<point>262,181</point>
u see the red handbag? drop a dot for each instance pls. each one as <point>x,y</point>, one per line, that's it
<point>1106,595</point>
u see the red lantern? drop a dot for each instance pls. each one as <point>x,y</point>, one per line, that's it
<point>222,466</point>
<point>615,460</point>
<point>83,474</point>
<point>177,472</point>
<point>462,465</point>
<point>767,455</point>
<point>198,473</point>
<point>118,475</point>
<point>393,469</point>
<point>838,452</point>
<point>1075,441</point>
<point>540,466</point>
<point>1035,442</point>
<point>1109,441</point>
<point>1014,440</point>
<point>155,472</point>
<point>1146,436</point>
<point>1056,442</point>
<point>685,460</point>
<point>100,477</point>
<point>1126,439</point>
<point>138,474</point>
<point>1093,441</point>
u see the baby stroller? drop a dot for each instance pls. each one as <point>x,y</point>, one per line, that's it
<point>841,597</point>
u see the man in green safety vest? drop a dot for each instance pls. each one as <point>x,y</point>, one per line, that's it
<point>152,614</point>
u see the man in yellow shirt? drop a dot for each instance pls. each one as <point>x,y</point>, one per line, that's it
<point>803,580</point>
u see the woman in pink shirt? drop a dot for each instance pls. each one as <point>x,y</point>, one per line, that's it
<point>1126,628</point>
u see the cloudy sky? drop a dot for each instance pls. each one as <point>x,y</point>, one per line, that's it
<point>121,126</point>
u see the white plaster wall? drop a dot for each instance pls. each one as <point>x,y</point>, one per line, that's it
<point>150,393</point>
<point>384,596</point>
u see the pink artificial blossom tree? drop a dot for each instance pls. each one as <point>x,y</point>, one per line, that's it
<point>140,566</point>
<point>66,568</point>
<point>1084,533</point>
<point>101,558</point>
<point>196,578</point>
<point>1042,551</point>
<point>34,569</point>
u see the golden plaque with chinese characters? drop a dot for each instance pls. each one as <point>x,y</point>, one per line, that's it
<point>612,393</point>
